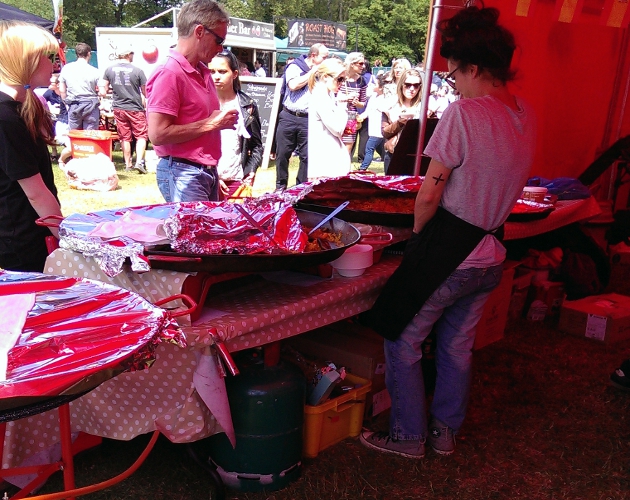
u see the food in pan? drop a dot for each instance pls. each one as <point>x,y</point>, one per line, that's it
<point>403,204</point>
<point>322,239</point>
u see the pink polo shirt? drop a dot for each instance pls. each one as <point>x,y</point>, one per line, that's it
<point>188,94</point>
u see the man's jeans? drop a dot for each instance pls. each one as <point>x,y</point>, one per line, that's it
<point>452,312</point>
<point>84,115</point>
<point>182,182</point>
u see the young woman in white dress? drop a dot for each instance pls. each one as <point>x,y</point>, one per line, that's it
<point>327,117</point>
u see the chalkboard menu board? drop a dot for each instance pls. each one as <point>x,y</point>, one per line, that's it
<point>266,93</point>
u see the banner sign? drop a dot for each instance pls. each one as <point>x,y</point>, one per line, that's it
<point>306,32</point>
<point>250,29</point>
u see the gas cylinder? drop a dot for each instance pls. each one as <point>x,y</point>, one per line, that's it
<point>267,406</point>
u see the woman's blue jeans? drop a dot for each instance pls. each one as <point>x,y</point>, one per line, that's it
<point>182,182</point>
<point>373,144</point>
<point>452,312</point>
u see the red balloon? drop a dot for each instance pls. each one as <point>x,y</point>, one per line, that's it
<point>150,54</point>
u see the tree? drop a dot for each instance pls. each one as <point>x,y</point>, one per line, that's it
<point>392,28</point>
<point>387,28</point>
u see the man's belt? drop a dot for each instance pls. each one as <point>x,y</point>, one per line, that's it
<point>186,161</point>
<point>296,113</point>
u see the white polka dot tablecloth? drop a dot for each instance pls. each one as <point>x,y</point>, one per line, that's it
<point>154,285</point>
<point>257,312</point>
<point>266,311</point>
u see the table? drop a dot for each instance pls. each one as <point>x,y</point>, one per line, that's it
<point>565,213</point>
<point>265,309</point>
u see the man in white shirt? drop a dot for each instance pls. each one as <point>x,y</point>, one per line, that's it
<point>260,70</point>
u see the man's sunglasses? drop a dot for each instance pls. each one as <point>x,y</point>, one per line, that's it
<point>218,39</point>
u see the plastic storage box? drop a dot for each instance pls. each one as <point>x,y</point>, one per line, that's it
<point>91,142</point>
<point>341,417</point>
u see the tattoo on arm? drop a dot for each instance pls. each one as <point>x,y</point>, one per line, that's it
<point>438,179</point>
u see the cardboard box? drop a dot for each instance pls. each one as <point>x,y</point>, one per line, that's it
<point>491,326</point>
<point>360,351</point>
<point>601,317</point>
<point>619,268</point>
<point>520,290</point>
<point>550,293</point>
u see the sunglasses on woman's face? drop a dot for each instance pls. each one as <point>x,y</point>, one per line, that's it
<point>412,85</point>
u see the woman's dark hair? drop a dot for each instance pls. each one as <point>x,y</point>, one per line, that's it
<point>473,36</point>
<point>234,66</point>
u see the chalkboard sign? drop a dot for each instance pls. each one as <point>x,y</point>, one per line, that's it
<point>266,93</point>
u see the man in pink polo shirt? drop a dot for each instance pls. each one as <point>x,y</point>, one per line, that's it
<point>184,115</point>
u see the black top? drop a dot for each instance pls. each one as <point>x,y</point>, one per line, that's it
<point>22,242</point>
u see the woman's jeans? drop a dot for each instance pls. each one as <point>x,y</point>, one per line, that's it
<point>182,182</point>
<point>373,144</point>
<point>452,312</point>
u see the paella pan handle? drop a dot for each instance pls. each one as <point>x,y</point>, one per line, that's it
<point>376,238</point>
<point>49,221</point>
<point>222,351</point>
<point>192,305</point>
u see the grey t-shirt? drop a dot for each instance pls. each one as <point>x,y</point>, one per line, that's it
<point>126,81</point>
<point>490,148</point>
<point>81,80</point>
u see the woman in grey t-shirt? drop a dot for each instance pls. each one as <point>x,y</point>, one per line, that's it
<point>481,154</point>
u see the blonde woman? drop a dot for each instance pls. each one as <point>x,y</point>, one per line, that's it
<point>398,67</point>
<point>354,90</point>
<point>27,184</point>
<point>405,108</point>
<point>327,117</point>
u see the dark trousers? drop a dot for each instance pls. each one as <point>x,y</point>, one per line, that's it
<point>362,137</point>
<point>292,134</point>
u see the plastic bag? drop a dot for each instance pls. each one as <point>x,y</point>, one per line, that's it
<point>93,173</point>
<point>351,124</point>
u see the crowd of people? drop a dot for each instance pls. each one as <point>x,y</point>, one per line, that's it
<point>377,108</point>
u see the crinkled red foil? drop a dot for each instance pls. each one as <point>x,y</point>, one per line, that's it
<point>78,332</point>
<point>352,186</point>
<point>206,228</point>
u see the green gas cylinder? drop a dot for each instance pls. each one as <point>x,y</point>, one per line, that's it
<point>267,406</point>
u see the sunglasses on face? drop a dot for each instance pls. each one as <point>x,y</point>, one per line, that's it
<point>360,63</point>
<point>412,85</point>
<point>218,39</point>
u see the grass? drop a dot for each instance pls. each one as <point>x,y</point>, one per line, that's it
<point>135,189</point>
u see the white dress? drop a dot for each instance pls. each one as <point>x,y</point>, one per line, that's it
<point>327,154</point>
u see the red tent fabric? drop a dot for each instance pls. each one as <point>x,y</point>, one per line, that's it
<point>576,74</point>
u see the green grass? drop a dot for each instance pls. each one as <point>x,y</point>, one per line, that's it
<point>135,189</point>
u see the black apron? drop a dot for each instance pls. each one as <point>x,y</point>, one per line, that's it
<point>430,257</point>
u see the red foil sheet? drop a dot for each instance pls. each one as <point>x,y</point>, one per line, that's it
<point>352,186</point>
<point>78,334</point>
<point>206,228</point>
